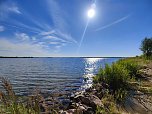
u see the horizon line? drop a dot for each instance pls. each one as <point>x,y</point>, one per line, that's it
<point>67,57</point>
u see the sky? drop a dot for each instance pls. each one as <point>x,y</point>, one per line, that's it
<point>62,28</point>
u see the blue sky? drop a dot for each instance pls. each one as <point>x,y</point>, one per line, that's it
<point>55,27</point>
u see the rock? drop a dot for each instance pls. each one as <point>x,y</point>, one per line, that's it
<point>82,99</point>
<point>88,90</point>
<point>90,100</point>
<point>138,93</point>
<point>42,108</point>
<point>144,66</point>
<point>64,112</point>
<point>82,108</point>
<point>89,111</point>
<point>49,102</point>
<point>66,103</point>
<point>74,111</point>
<point>61,111</point>
<point>95,101</point>
<point>71,105</point>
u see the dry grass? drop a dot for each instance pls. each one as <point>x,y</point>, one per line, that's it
<point>34,104</point>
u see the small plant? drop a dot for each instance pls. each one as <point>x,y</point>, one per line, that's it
<point>120,94</point>
<point>109,105</point>
<point>118,76</point>
<point>34,104</point>
<point>131,65</point>
<point>115,76</point>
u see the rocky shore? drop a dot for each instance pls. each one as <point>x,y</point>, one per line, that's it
<point>138,101</point>
<point>84,103</point>
<point>100,98</point>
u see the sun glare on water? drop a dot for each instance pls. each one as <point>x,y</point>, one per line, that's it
<point>92,60</point>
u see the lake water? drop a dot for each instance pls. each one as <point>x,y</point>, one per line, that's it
<point>51,75</point>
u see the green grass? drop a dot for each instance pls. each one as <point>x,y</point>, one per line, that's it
<point>116,77</point>
<point>121,77</point>
<point>131,66</point>
<point>109,105</point>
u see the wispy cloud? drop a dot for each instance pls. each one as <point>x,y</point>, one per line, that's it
<point>55,43</point>
<point>49,37</point>
<point>54,38</point>
<point>8,48</point>
<point>113,23</point>
<point>22,36</point>
<point>21,26</point>
<point>56,15</point>
<point>66,36</point>
<point>7,7</point>
<point>14,9</point>
<point>60,28</point>
<point>2,28</point>
<point>58,35</point>
<point>47,33</point>
<point>48,41</point>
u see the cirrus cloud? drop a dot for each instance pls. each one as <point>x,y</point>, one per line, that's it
<point>2,28</point>
<point>7,7</point>
<point>9,48</point>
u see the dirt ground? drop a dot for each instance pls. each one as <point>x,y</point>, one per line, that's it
<point>140,101</point>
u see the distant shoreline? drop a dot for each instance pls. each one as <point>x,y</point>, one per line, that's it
<point>64,57</point>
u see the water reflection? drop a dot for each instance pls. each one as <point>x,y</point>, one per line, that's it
<point>91,65</point>
<point>92,60</point>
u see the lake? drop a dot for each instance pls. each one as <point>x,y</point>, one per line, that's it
<point>51,75</point>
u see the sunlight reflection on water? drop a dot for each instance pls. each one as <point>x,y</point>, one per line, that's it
<point>90,66</point>
<point>51,75</point>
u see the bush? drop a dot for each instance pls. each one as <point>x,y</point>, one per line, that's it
<point>116,76</point>
<point>131,65</point>
<point>109,105</point>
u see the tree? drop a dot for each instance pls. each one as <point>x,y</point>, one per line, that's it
<point>146,47</point>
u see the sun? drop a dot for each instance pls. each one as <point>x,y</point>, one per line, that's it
<point>91,13</point>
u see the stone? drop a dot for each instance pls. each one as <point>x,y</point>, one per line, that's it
<point>74,111</point>
<point>82,108</point>
<point>61,111</point>
<point>64,112</point>
<point>95,101</point>
<point>90,100</point>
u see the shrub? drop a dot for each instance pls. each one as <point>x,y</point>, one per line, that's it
<point>115,76</point>
<point>131,65</point>
<point>109,105</point>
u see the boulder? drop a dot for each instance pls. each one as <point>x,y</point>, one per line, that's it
<point>95,101</point>
<point>90,100</point>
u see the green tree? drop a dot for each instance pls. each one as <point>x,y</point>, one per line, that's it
<point>146,47</point>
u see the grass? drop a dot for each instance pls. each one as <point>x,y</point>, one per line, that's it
<point>121,77</point>
<point>109,105</point>
<point>12,104</point>
<point>117,79</point>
